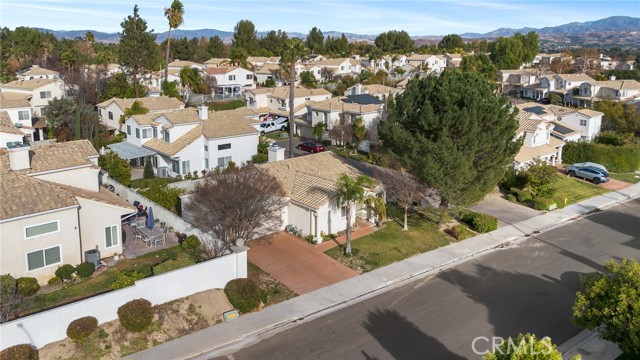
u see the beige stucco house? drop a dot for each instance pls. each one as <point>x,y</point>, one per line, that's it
<point>39,91</point>
<point>111,110</point>
<point>54,210</point>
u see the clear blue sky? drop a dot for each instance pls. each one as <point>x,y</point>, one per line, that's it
<point>425,17</point>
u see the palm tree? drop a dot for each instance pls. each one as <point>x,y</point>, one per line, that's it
<point>136,109</point>
<point>359,131</point>
<point>351,192</point>
<point>295,50</point>
<point>192,79</point>
<point>238,57</point>
<point>175,15</point>
<point>318,130</point>
<point>379,208</point>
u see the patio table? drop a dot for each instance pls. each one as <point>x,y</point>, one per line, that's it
<point>150,234</point>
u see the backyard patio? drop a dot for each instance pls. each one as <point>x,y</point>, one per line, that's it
<point>136,247</point>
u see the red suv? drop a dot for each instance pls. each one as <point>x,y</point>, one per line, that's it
<point>310,147</point>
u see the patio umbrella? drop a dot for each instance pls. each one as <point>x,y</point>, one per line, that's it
<point>150,220</point>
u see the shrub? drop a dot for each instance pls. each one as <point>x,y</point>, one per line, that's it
<point>136,315</point>
<point>542,203</point>
<point>163,195</point>
<point>182,260</point>
<point>123,280</point>
<point>461,232</point>
<point>540,176</point>
<point>20,352</point>
<point>513,179</point>
<point>27,286</point>
<point>479,222</point>
<point>80,329</point>
<point>512,198</point>
<point>560,201</point>
<point>259,158</point>
<point>54,281</point>
<point>117,168</point>
<point>148,169</point>
<point>65,272</point>
<point>524,196</point>
<point>191,243</point>
<point>326,142</point>
<point>243,294</point>
<point>394,211</point>
<point>85,269</point>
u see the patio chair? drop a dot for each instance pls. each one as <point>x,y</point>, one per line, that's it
<point>138,234</point>
<point>147,240</point>
<point>159,239</point>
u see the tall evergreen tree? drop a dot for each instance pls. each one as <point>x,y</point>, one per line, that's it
<point>274,42</point>
<point>294,51</point>
<point>315,40</point>
<point>137,49</point>
<point>215,48</point>
<point>480,64</point>
<point>245,36</point>
<point>451,42</point>
<point>175,16</point>
<point>454,134</point>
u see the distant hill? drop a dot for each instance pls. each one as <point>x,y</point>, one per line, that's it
<point>615,24</point>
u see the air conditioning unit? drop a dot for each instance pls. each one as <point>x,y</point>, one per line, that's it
<point>163,172</point>
<point>18,125</point>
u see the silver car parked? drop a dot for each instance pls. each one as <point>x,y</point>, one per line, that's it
<point>589,171</point>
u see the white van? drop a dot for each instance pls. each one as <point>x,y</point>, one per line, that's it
<point>272,125</point>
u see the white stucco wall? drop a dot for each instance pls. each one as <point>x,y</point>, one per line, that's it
<point>241,151</point>
<point>7,138</point>
<point>94,217</point>
<point>15,246</point>
<point>83,178</point>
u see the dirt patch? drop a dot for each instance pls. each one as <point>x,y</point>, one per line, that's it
<point>171,320</point>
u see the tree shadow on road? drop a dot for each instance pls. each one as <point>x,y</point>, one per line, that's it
<point>621,222</point>
<point>521,303</point>
<point>402,339</point>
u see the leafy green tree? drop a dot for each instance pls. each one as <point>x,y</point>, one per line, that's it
<point>451,42</point>
<point>170,88</point>
<point>182,48</point>
<point>609,303</point>
<point>507,53</point>
<point>137,49</point>
<point>337,46</point>
<point>526,347</point>
<point>26,45</point>
<point>87,122</point>
<point>619,117</point>
<point>60,113</point>
<point>175,16</point>
<point>395,41</point>
<point>216,48</point>
<point>480,64</point>
<point>239,58</point>
<point>117,168</point>
<point>245,36</point>
<point>148,169</point>
<point>454,134</point>
<point>530,45</point>
<point>540,176</point>
<point>308,80</point>
<point>555,99</point>
<point>315,40</point>
<point>351,192</point>
<point>118,86</point>
<point>294,51</point>
<point>318,130</point>
<point>274,42</point>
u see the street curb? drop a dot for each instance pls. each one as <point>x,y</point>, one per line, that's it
<point>353,290</point>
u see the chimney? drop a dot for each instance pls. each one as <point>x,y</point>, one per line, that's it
<point>612,77</point>
<point>203,112</point>
<point>19,158</point>
<point>276,153</point>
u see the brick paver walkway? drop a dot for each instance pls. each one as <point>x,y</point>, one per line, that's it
<point>296,264</point>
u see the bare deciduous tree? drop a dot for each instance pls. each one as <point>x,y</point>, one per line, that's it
<point>403,189</point>
<point>327,74</point>
<point>235,206</point>
<point>342,131</point>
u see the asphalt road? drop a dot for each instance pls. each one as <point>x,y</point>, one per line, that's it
<point>529,287</point>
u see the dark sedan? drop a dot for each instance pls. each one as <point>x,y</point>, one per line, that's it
<point>310,147</point>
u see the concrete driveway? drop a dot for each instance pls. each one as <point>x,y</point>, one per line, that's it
<point>296,263</point>
<point>284,143</point>
<point>508,213</point>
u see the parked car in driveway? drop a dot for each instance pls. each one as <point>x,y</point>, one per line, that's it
<point>268,126</point>
<point>589,171</point>
<point>308,146</point>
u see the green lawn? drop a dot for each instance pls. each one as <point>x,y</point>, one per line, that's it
<point>92,286</point>
<point>626,177</point>
<point>225,105</point>
<point>575,190</point>
<point>273,291</point>
<point>391,244</point>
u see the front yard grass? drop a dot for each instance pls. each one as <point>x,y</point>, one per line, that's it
<point>631,178</point>
<point>575,190</point>
<point>273,291</point>
<point>145,183</point>
<point>390,244</point>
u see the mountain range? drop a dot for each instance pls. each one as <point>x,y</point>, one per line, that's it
<point>615,24</point>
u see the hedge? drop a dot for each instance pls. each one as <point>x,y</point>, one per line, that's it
<point>136,315</point>
<point>182,260</point>
<point>479,222</point>
<point>461,232</point>
<point>82,328</point>
<point>621,159</point>
<point>20,352</point>
<point>542,203</point>
<point>85,269</point>
<point>243,294</point>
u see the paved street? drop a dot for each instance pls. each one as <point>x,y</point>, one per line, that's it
<point>529,287</point>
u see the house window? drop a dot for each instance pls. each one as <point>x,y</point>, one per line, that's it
<point>583,122</point>
<point>146,133</point>
<point>45,94</point>
<point>232,77</point>
<point>206,147</point>
<point>41,229</point>
<point>155,133</point>
<point>224,146</point>
<point>166,136</point>
<point>341,67</point>
<point>249,76</point>
<point>23,115</point>
<point>206,164</point>
<point>111,235</point>
<point>185,167</point>
<point>128,129</point>
<point>138,133</point>
<point>43,258</point>
<point>175,166</point>
<point>223,162</point>
<point>110,115</point>
<point>343,211</point>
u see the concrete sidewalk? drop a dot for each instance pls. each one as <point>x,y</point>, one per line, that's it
<point>589,346</point>
<point>223,338</point>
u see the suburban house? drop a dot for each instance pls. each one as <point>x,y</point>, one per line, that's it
<point>261,60</point>
<point>275,101</point>
<point>231,81</point>
<point>379,91</point>
<point>38,91</point>
<point>111,110</point>
<point>10,133</point>
<point>515,81</point>
<point>340,66</point>
<point>16,115</point>
<point>268,71</point>
<point>538,142</point>
<point>434,63</point>
<point>37,72</point>
<point>616,90</point>
<point>188,140</point>
<point>388,62</point>
<point>576,124</point>
<point>309,183</point>
<point>181,64</point>
<point>453,60</point>
<point>153,81</point>
<point>215,62</point>
<point>54,210</point>
<point>568,84</point>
